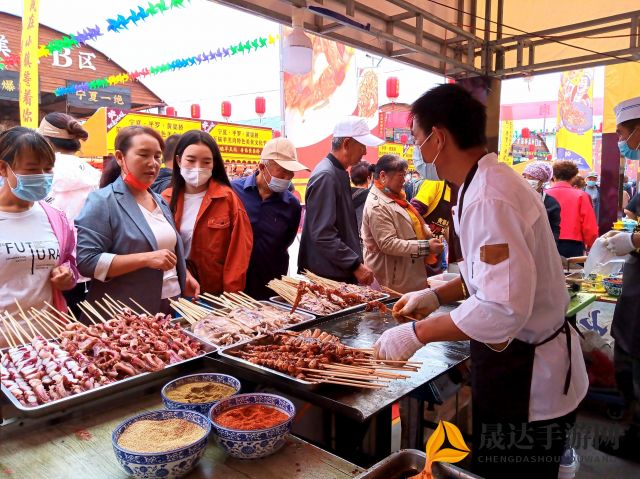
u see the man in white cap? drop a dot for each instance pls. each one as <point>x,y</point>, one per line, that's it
<point>330,243</point>
<point>274,213</point>
<point>593,190</point>
<point>625,328</point>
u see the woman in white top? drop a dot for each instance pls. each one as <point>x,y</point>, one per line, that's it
<point>37,244</point>
<point>127,240</point>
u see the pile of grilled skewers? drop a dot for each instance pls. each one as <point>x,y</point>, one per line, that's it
<point>320,295</point>
<point>315,356</point>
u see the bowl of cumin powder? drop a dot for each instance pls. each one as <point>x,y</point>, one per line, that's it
<point>161,444</point>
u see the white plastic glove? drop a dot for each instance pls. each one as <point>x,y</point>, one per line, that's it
<point>620,244</point>
<point>397,344</point>
<point>417,303</point>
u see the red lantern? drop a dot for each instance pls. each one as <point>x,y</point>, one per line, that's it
<point>261,106</point>
<point>277,134</point>
<point>404,138</point>
<point>195,111</point>
<point>225,109</point>
<point>526,133</point>
<point>170,111</point>
<point>393,88</point>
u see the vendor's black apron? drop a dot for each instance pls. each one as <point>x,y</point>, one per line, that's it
<point>626,319</point>
<point>501,385</point>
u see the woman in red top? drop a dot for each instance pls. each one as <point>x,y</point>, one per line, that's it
<point>578,226</point>
<point>214,226</point>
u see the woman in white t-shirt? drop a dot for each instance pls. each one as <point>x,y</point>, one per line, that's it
<point>127,240</point>
<point>37,243</point>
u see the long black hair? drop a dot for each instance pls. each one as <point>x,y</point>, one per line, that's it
<point>219,173</point>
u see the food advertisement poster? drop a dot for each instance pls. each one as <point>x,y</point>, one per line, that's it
<point>574,139</point>
<point>334,88</point>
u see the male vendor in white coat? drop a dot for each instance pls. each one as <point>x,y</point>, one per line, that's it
<point>528,374</point>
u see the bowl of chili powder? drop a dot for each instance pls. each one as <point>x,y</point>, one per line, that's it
<point>251,426</point>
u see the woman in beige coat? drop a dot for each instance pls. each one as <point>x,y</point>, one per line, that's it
<point>396,239</point>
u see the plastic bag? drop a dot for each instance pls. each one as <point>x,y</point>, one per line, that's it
<point>602,261</point>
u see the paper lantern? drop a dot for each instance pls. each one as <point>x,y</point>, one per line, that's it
<point>195,111</point>
<point>170,111</point>
<point>277,134</point>
<point>393,88</point>
<point>261,105</point>
<point>225,109</point>
<point>526,133</point>
<point>404,138</point>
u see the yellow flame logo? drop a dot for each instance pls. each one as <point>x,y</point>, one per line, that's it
<point>436,453</point>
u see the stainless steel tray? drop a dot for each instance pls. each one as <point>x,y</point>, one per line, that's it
<point>308,319</point>
<point>226,357</point>
<point>92,394</point>
<point>408,462</point>
<point>282,302</point>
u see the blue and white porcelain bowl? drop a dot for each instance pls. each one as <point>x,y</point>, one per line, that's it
<point>252,444</point>
<point>168,464</point>
<point>613,286</point>
<point>201,407</point>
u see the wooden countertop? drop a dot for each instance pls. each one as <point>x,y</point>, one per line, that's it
<point>81,447</point>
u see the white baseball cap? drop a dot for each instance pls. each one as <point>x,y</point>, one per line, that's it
<point>627,110</point>
<point>356,128</point>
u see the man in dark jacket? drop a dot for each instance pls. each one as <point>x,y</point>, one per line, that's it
<point>330,243</point>
<point>163,181</point>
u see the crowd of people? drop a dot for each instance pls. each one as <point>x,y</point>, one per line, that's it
<point>164,220</point>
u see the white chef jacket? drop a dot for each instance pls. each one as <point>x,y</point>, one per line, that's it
<point>523,296</point>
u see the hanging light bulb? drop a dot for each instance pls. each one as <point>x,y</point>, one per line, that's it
<point>297,50</point>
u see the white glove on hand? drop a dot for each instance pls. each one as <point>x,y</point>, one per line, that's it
<point>620,244</point>
<point>397,344</point>
<point>422,302</point>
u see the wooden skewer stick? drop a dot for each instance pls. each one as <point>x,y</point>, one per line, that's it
<point>385,361</point>
<point>16,328</point>
<point>34,331</point>
<point>10,342</point>
<point>346,382</point>
<point>175,305</point>
<point>52,318</point>
<point>336,373</point>
<point>95,312</point>
<point>139,306</point>
<point>108,312</point>
<point>52,334</point>
<point>112,311</point>
<point>249,298</point>
<point>64,315</point>
<point>86,313</point>
<point>113,303</point>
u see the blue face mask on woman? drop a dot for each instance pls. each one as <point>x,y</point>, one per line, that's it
<point>32,187</point>
<point>628,152</point>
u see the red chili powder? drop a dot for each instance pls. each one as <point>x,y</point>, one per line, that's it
<point>251,417</point>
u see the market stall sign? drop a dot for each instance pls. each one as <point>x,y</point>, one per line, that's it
<point>404,152</point>
<point>116,97</point>
<point>238,142</point>
<point>9,85</point>
<point>165,125</point>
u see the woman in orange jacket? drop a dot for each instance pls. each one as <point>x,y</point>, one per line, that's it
<point>212,221</point>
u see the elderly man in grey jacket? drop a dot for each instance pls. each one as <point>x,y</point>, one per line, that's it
<point>330,244</point>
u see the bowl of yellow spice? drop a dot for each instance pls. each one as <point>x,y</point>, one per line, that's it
<point>161,444</point>
<point>199,392</point>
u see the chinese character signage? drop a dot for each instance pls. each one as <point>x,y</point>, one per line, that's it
<point>9,82</point>
<point>238,142</point>
<point>114,97</point>
<point>29,65</point>
<point>404,152</point>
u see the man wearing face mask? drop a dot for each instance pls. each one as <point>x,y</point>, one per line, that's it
<point>528,375</point>
<point>274,213</point>
<point>537,174</point>
<point>593,191</point>
<point>433,199</point>
<point>330,243</point>
<point>625,328</point>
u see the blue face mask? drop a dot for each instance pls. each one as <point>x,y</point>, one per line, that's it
<point>628,152</point>
<point>32,187</point>
<point>426,170</point>
<point>592,183</point>
<point>277,185</point>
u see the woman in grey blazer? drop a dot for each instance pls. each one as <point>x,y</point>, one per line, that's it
<point>127,240</point>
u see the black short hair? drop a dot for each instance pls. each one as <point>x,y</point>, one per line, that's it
<point>360,173</point>
<point>454,108</point>
<point>390,163</point>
